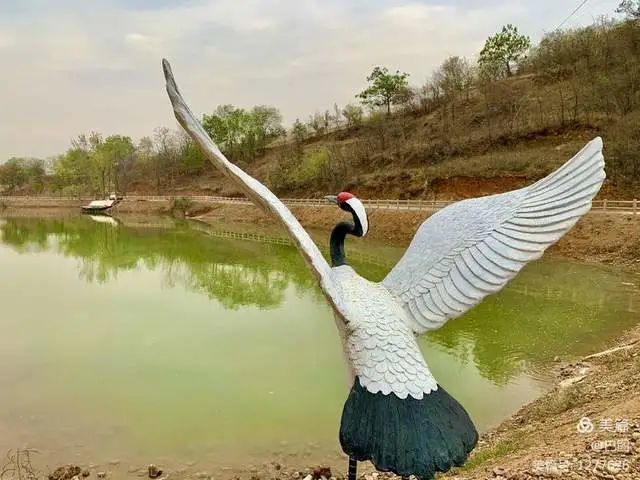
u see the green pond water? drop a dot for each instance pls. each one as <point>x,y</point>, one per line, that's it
<point>150,340</point>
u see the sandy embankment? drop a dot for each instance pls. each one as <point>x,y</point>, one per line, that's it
<point>610,238</point>
<point>607,238</point>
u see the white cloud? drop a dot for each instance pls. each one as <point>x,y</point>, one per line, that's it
<point>140,41</point>
<point>6,40</point>
<point>73,66</point>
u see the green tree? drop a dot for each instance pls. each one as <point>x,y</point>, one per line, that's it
<point>299,132</point>
<point>224,125</point>
<point>118,153</point>
<point>631,8</point>
<point>243,134</point>
<point>192,159</point>
<point>81,168</point>
<point>385,89</point>
<point>502,51</point>
<point>23,173</point>
<point>266,125</point>
<point>66,173</point>
<point>12,174</point>
<point>353,115</point>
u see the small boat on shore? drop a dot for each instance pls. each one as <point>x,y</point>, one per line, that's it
<point>97,206</point>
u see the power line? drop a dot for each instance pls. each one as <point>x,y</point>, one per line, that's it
<point>575,10</point>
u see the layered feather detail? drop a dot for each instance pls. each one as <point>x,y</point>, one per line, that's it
<point>474,247</point>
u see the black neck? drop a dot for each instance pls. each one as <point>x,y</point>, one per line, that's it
<point>339,233</point>
<point>336,243</point>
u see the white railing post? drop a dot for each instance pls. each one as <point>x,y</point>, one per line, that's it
<point>604,204</point>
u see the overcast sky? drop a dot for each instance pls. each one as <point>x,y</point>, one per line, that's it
<point>72,66</point>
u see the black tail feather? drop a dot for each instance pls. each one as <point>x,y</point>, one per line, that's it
<point>406,436</point>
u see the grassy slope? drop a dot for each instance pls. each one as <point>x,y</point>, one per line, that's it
<point>418,155</point>
<point>498,170</point>
<point>496,136</point>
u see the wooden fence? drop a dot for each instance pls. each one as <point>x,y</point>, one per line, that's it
<point>626,206</point>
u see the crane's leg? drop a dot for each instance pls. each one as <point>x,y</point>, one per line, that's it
<point>353,467</point>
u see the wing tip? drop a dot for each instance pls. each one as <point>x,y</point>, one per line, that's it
<point>166,68</point>
<point>592,149</point>
<point>170,83</point>
<point>596,142</point>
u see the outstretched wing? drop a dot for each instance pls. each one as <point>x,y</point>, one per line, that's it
<point>474,247</point>
<point>256,191</point>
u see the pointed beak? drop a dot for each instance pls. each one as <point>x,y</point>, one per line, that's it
<point>331,199</point>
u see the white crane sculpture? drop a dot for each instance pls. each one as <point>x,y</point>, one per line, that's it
<point>397,415</point>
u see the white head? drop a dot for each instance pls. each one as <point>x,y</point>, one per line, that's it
<point>349,203</point>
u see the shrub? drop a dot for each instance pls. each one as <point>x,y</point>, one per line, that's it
<point>180,206</point>
<point>623,152</point>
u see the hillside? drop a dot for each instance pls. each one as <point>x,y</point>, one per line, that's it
<point>484,169</point>
<point>467,131</point>
<point>488,136</point>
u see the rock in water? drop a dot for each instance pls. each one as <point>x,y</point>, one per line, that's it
<point>65,473</point>
<point>154,471</point>
<point>320,472</point>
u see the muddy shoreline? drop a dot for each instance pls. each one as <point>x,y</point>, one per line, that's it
<point>544,439</point>
<point>604,238</point>
<point>609,239</point>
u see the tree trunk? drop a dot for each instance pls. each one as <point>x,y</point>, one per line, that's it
<point>508,66</point>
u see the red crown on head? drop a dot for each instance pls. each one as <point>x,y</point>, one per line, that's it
<point>344,196</point>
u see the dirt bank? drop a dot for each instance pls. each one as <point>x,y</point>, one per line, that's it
<point>588,427</point>
<point>608,238</point>
<point>603,238</point>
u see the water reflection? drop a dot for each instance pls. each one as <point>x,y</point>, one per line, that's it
<point>236,274</point>
<point>553,308</point>
<point>187,338</point>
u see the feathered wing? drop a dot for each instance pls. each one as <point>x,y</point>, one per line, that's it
<point>256,191</point>
<point>474,247</point>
